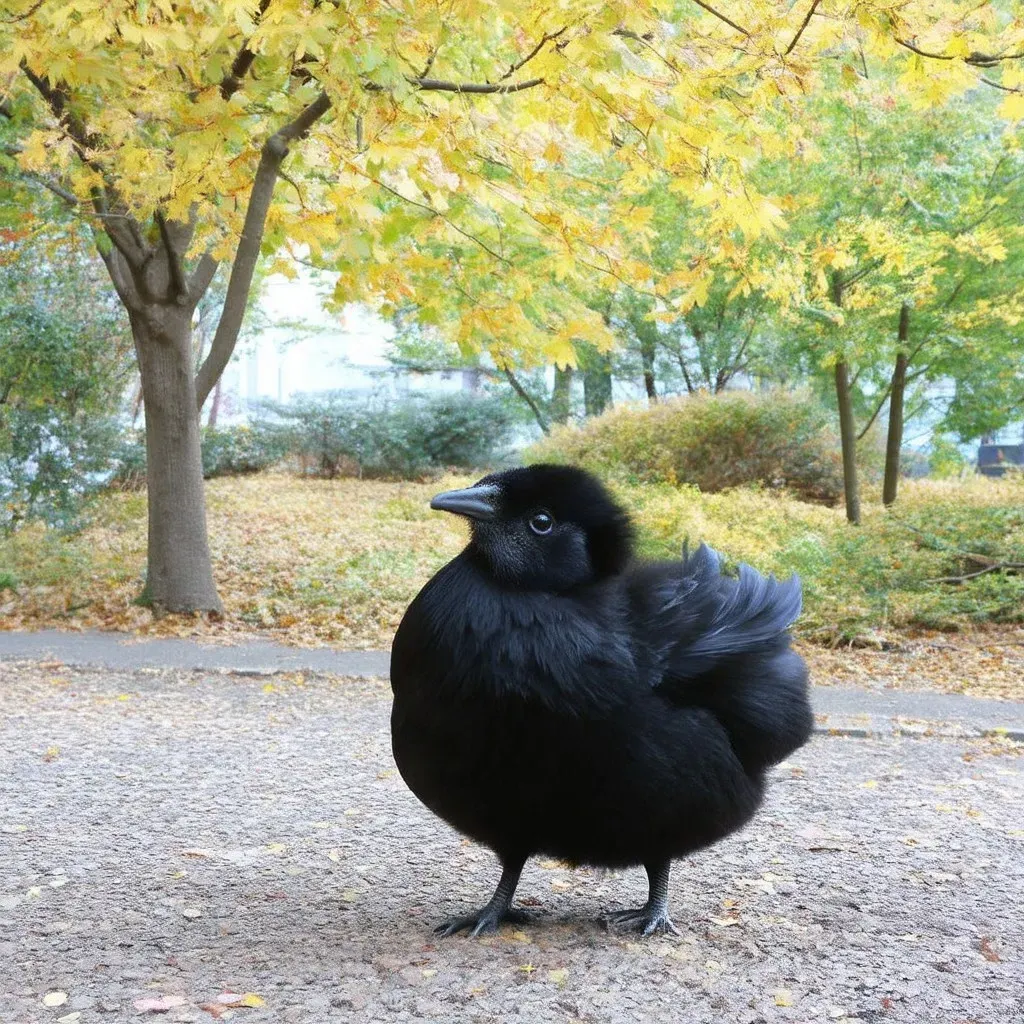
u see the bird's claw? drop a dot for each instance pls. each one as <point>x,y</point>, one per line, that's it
<point>646,920</point>
<point>483,922</point>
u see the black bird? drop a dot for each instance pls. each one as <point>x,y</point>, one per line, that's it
<point>554,696</point>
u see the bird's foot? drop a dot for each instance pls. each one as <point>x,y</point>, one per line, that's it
<point>484,921</point>
<point>646,920</point>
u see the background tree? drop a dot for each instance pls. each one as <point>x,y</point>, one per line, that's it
<point>64,362</point>
<point>169,126</point>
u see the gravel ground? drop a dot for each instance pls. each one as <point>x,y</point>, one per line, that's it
<point>173,836</point>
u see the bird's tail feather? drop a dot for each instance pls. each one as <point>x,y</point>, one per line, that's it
<point>738,664</point>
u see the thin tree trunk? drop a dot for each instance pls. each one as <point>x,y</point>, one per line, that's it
<point>211,421</point>
<point>647,353</point>
<point>597,383</point>
<point>847,433</point>
<point>179,574</point>
<point>894,442</point>
<point>561,395</point>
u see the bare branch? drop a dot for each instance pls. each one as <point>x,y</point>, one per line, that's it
<point>544,40</point>
<point>275,149</point>
<point>999,85</point>
<point>995,567</point>
<point>721,17</point>
<point>25,16</point>
<point>978,60</point>
<point>517,387</point>
<point>437,213</point>
<point>878,408</point>
<point>439,85</point>
<point>800,30</point>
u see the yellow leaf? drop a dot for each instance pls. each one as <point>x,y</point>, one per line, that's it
<point>783,997</point>
<point>558,976</point>
<point>55,998</point>
<point>1012,107</point>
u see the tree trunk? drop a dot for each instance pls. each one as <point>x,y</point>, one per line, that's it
<point>647,352</point>
<point>597,383</point>
<point>179,574</point>
<point>851,487</point>
<point>894,441</point>
<point>561,395</point>
<point>211,421</point>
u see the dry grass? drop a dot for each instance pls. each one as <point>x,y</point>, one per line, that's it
<point>313,562</point>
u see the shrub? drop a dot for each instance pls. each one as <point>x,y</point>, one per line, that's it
<point>51,460</point>
<point>342,434</point>
<point>227,451</point>
<point>777,440</point>
<point>232,451</point>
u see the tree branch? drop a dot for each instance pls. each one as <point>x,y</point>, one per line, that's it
<point>126,237</point>
<point>25,16</point>
<point>800,30</point>
<point>999,85</point>
<point>275,149</point>
<point>202,275</point>
<point>995,567</point>
<point>232,81</point>
<point>544,39</point>
<point>439,85</point>
<point>525,395</point>
<point>437,213</point>
<point>978,60</point>
<point>878,409</point>
<point>722,17</point>
<point>863,272</point>
<point>177,271</point>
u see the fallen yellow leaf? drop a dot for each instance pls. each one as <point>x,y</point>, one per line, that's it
<point>783,997</point>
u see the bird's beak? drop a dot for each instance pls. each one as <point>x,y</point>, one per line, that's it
<point>476,502</point>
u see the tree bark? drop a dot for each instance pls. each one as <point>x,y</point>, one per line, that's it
<point>561,395</point>
<point>894,441</point>
<point>179,575</point>
<point>851,486</point>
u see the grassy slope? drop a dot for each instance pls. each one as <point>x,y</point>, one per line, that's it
<point>338,561</point>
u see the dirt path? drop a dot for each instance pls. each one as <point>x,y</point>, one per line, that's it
<point>167,835</point>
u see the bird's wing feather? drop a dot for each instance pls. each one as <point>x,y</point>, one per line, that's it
<point>688,616</point>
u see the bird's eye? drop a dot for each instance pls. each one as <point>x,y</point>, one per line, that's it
<point>541,523</point>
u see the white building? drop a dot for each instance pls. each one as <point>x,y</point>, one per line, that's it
<point>299,346</point>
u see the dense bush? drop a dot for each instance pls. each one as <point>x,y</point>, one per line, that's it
<point>342,434</point>
<point>50,461</point>
<point>776,439</point>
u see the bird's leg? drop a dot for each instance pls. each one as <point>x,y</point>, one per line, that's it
<point>653,916</point>
<point>498,908</point>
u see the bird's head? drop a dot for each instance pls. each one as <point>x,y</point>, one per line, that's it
<point>543,527</point>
